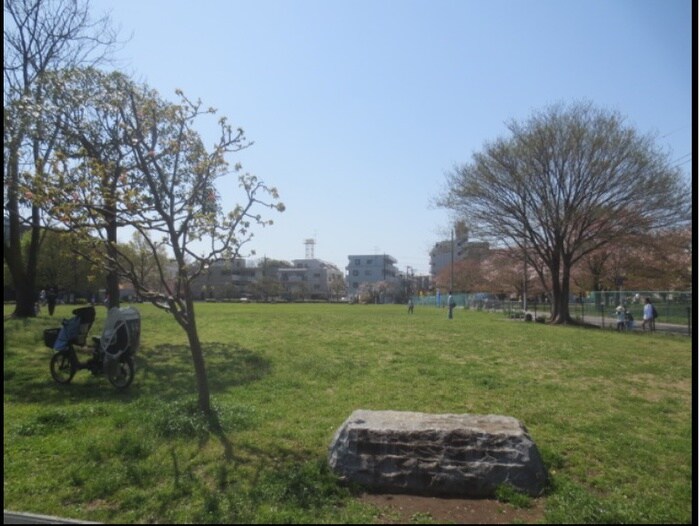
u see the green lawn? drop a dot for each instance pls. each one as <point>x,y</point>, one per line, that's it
<point>610,412</point>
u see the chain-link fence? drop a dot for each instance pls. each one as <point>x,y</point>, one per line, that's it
<point>598,308</point>
<point>674,308</point>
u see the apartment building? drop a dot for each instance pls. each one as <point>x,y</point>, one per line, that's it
<point>302,279</point>
<point>310,279</point>
<point>227,279</point>
<point>455,249</point>
<point>370,268</point>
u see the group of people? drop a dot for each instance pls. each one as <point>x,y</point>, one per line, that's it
<point>450,305</point>
<point>626,321</point>
<point>49,298</point>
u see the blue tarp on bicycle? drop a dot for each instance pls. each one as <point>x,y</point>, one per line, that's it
<point>73,330</point>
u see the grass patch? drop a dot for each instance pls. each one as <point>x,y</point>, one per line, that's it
<point>610,413</point>
<point>508,494</point>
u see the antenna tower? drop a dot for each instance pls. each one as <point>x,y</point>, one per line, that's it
<point>310,248</point>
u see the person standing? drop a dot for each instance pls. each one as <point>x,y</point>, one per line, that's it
<point>620,313</point>
<point>51,299</point>
<point>410,305</point>
<point>450,305</point>
<point>648,315</point>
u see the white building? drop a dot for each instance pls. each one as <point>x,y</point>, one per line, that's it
<point>372,268</point>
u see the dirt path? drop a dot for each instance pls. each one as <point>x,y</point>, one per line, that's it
<point>407,509</point>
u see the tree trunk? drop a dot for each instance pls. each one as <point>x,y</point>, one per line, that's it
<point>25,300</point>
<point>112,276</point>
<point>23,277</point>
<point>562,297</point>
<point>556,290</point>
<point>561,308</point>
<point>200,374</point>
<point>197,358</point>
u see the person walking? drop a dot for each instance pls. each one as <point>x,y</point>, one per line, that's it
<point>648,315</point>
<point>51,299</point>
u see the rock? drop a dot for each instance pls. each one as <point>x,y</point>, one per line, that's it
<point>436,454</point>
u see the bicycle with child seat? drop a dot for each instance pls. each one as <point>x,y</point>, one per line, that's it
<point>111,354</point>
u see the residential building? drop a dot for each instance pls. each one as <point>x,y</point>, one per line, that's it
<point>269,279</point>
<point>227,279</point>
<point>459,247</point>
<point>370,269</point>
<point>309,279</point>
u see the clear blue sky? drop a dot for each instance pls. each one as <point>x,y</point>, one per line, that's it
<point>358,107</point>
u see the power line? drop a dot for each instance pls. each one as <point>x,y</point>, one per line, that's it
<point>683,157</point>
<point>682,160</point>
<point>672,132</point>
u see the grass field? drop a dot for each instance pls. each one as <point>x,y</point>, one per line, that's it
<point>610,412</point>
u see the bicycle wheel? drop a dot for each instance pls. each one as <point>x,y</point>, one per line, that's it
<point>62,367</point>
<point>122,375</point>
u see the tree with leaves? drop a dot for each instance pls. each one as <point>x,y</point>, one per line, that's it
<point>60,263</point>
<point>166,191</point>
<point>568,181</point>
<point>90,111</point>
<point>40,37</point>
<point>138,253</point>
<point>652,261</point>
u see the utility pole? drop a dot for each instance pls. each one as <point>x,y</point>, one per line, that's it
<point>452,259</point>
<point>525,276</point>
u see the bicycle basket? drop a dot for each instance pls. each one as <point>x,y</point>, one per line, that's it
<point>50,337</point>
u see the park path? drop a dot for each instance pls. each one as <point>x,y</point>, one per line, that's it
<point>660,327</point>
<point>13,517</point>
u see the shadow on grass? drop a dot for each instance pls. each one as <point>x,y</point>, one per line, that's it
<point>164,371</point>
<point>167,370</point>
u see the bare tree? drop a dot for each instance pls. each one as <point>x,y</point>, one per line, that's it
<point>565,183</point>
<point>40,36</point>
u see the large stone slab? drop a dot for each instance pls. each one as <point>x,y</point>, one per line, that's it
<point>436,454</point>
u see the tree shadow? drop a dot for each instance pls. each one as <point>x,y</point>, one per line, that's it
<point>167,370</point>
<point>164,371</point>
